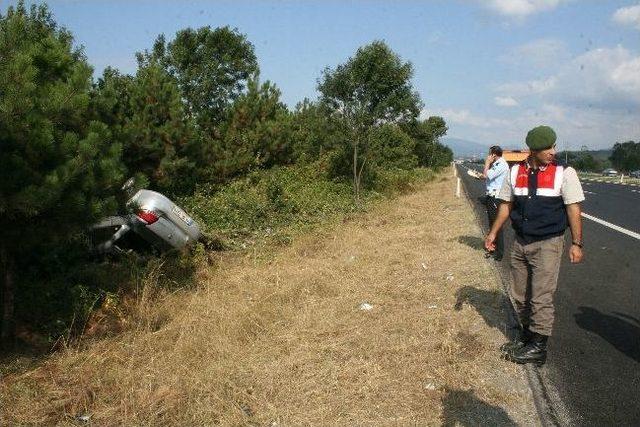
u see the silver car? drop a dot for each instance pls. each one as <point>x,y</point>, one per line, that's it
<point>154,217</point>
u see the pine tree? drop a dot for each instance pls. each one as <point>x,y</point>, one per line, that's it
<point>56,166</point>
<point>146,115</point>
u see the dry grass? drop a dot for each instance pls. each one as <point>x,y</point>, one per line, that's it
<point>278,338</point>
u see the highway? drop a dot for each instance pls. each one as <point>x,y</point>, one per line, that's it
<point>594,354</point>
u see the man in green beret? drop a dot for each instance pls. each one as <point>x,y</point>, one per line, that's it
<point>542,198</point>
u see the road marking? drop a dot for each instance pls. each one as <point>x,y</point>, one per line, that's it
<point>588,192</point>
<point>612,226</point>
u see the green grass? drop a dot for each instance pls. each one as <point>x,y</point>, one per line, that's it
<point>274,204</point>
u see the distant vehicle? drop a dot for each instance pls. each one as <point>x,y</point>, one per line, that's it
<point>635,174</point>
<point>609,172</point>
<point>515,156</point>
<point>153,217</point>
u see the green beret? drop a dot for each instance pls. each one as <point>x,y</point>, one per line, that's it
<point>541,138</point>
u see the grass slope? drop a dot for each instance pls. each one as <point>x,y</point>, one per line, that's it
<point>277,336</point>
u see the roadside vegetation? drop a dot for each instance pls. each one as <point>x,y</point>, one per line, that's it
<point>623,156</point>
<point>387,317</point>
<point>195,122</point>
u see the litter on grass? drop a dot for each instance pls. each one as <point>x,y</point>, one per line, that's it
<point>365,306</point>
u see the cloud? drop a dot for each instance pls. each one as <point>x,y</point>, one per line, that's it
<point>600,78</point>
<point>575,126</point>
<point>521,8</point>
<point>541,53</point>
<point>531,87</point>
<point>628,16</point>
<point>505,101</point>
<point>463,117</point>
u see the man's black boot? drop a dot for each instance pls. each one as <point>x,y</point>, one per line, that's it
<point>534,352</point>
<point>522,339</point>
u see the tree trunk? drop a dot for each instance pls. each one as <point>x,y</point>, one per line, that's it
<point>7,326</point>
<point>356,183</point>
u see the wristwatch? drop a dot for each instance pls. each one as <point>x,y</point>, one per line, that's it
<point>579,244</point>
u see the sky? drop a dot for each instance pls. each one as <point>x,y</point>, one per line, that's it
<point>493,69</point>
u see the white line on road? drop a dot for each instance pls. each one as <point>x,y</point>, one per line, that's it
<point>612,226</point>
<point>588,192</point>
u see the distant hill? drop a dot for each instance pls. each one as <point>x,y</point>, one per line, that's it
<point>463,147</point>
<point>467,148</point>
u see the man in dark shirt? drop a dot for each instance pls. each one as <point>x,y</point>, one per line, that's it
<point>542,198</point>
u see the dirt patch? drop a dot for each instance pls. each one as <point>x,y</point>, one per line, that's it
<point>393,317</point>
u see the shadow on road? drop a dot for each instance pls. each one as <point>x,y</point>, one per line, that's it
<point>620,330</point>
<point>487,303</point>
<point>466,409</point>
<point>472,241</point>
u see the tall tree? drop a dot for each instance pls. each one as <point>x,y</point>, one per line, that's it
<point>370,89</point>
<point>157,134</point>
<point>255,134</point>
<point>56,167</point>
<point>626,156</point>
<point>212,68</point>
<point>427,134</point>
<point>146,115</point>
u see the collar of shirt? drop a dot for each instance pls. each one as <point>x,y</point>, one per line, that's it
<point>528,166</point>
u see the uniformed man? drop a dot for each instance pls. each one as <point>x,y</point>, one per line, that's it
<point>495,170</point>
<point>542,198</point>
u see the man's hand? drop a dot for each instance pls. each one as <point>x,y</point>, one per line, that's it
<point>490,159</point>
<point>575,254</point>
<point>490,242</point>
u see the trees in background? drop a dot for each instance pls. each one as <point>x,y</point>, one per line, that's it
<point>371,89</point>
<point>626,156</point>
<point>212,69</point>
<point>586,162</point>
<point>429,151</point>
<point>194,115</point>
<point>58,168</point>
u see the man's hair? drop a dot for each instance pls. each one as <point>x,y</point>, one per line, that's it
<point>495,149</point>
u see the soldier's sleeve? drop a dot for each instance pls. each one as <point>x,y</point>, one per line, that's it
<point>571,189</point>
<point>506,191</point>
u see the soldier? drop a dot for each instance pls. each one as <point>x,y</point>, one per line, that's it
<point>542,198</point>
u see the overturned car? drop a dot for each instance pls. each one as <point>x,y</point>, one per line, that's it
<point>152,217</point>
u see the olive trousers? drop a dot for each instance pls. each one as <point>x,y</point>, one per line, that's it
<point>534,273</point>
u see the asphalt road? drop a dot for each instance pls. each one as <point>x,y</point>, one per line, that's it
<point>594,354</point>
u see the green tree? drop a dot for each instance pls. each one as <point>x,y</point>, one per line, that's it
<point>315,132</point>
<point>255,134</point>
<point>371,89</point>
<point>427,134</point>
<point>56,166</point>
<point>212,68</point>
<point>586,162</point>
<point>157,134</point>
<point>392,148</point>
<point>626,156</point>
<point>146,115</point>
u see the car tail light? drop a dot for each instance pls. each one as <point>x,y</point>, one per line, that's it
<point>149,217</point>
